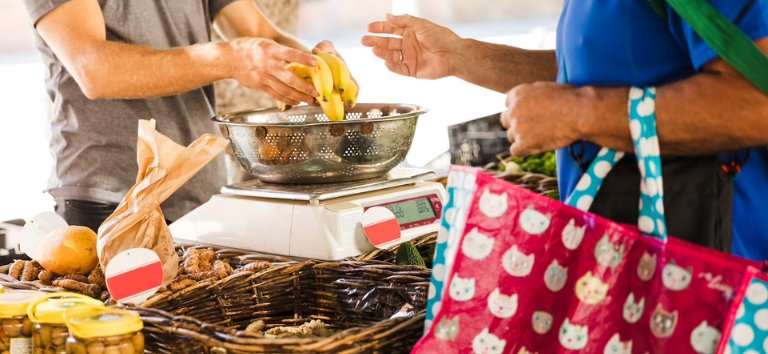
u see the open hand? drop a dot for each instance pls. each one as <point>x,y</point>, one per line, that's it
<point>423,49</point>
<point>263,68</point>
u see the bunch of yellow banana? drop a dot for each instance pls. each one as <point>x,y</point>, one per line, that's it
<point>332,81</point>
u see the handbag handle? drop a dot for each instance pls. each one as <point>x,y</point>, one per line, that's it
<point>642,124</point>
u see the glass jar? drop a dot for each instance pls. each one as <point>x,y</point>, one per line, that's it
<point>49,334</point>
<point>101,330</point>
<point>15,326</point>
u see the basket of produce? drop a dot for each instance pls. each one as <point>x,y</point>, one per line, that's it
<point>230,301</point>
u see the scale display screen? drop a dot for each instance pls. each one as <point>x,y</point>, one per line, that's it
<point>412,211</point>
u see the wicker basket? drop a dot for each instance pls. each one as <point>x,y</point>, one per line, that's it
<point>376,306</point>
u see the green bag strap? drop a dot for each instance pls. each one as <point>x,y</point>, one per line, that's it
<point>728,41</point>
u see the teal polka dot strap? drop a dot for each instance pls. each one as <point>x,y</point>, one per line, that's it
<point>642,124</point>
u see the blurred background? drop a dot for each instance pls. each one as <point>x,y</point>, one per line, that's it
<point>24,127</point>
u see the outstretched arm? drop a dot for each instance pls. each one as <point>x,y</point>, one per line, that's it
<point>76,33</point>
<point>714,111</point>
<point>430,51</point>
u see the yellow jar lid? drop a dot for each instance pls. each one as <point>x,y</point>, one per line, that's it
<point>16,303</point>
<point>52,310</point>
<point>89,321</point>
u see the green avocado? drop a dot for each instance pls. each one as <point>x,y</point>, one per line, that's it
<point>407,254</point>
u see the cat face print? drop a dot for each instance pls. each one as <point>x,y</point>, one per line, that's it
<point>704,339</point>
<point>476,245</point>
<point>590,290</point>
<point>607,253</point>
<point>462,289</point>
<point>676,278</point>
<point>555,276</point>
<point>616,346</point>
<point>573,235</point>
<point>573,337</point>
<point>517,263</point>
<point>542,321</point>
<point>486,343</point>
<point>502,306</point>
<point>534,222</point>
<point>646,267</point>
<point>493,205</point>
<point>633,310</point>
<point>663,323</point>
<point>447,329</point>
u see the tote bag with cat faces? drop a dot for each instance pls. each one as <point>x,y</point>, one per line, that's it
<point>532,275</point>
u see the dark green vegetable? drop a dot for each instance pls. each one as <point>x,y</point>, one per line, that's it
<point>544,163</point>
<point>408,254</point>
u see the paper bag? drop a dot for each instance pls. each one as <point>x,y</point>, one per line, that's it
<point>164,167</point>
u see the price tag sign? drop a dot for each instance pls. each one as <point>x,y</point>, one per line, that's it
<point>381,226</point>
<point>36,229</point>
<point>134,275</point>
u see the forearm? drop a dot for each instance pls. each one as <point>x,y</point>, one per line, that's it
<point>500,67</point>
<point>291,41</point>
<point>705,114</point>
<point>111,70</point>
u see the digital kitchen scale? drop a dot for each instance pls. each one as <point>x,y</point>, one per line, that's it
<point>318,221</point>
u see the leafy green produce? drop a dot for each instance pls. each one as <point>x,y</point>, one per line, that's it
<point>408,254</point>
<point>544,163</point>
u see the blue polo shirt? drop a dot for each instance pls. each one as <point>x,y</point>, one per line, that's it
<point>625,42</point>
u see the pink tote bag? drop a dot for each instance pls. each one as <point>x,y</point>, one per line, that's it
<point>533,275</point>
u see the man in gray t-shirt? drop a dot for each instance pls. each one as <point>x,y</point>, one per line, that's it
<point>112,62</point>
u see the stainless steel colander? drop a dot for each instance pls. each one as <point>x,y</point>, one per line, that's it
<point>301,146</point>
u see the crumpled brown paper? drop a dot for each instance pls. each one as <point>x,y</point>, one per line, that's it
<point>164,167</point>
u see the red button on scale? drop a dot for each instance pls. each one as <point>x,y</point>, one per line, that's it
<point>381,226</point>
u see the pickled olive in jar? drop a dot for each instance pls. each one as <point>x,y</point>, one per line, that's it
<point>75,347</point>
<point>27,327</point>
<point>138,340</point>
<point>12,327</point>
<point>95,348</point>
<point>50,338</point>
<point>132,343</point>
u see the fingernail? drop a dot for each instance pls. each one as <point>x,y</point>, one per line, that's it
<point>315,93</point>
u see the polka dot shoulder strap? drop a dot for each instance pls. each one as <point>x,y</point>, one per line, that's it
<point>642,124</point>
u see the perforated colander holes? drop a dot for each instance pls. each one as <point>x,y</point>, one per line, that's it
<point>374,114</point>
<point>295,138</point>
<point>350,171</point>
<point>297,118</point>
<point>321,118</point>
<point>353,116</point>
<point>326,153</point>
<point>373,150</point>
<point>298,155</point>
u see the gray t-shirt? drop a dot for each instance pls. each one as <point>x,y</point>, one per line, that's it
<point>94,142</point>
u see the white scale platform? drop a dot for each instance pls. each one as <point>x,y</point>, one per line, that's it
<point>319,221</point>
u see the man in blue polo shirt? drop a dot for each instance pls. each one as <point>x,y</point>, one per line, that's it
<point>704,106</point>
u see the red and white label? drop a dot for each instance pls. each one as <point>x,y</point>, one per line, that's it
<point>134,275</point>
<point>381,226</point>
